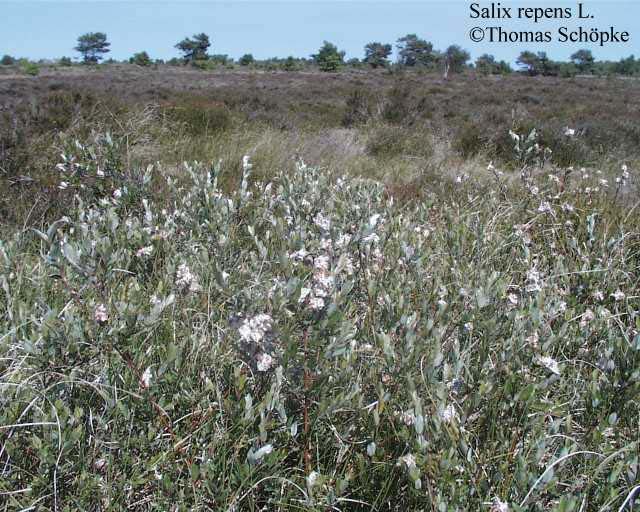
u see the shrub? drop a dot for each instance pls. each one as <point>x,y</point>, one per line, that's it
<point>14,147</point>
<point>56,111</point>
<point>567,70</point>
<point>399,105</point>
<point>469,139</point>
<point>141,59</point>
<point>501,144</point>
<point>566,150</point>
<point>393,141</point>
<point>31,68</point>
<point>291,64</point>
<point>358,109</point>
<point>332,348</point>
<point>203,65</point>
<point>201,116</point>
<point>221,59</point>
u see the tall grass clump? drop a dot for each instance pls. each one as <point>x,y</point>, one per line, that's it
<point>308,342</point>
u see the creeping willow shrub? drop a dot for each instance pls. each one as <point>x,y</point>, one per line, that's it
<point>309,342</point>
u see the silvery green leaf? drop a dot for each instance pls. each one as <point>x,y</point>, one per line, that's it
<point>371,449</point>
<point>157,310</point>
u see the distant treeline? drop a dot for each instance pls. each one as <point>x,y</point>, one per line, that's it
<point>412,52</point>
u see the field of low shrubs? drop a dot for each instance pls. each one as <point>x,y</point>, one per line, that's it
<point>215,304</point>
<point>308,341</point>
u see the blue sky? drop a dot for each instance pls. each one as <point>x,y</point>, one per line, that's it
<point>48,29</point>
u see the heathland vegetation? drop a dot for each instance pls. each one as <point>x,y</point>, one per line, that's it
<point>372,289</point>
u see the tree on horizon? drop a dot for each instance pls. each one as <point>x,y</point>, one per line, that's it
<point>329,58</point>
<point>454,59</point>
<point>529,61</point>
<point>377,54</point>
<point>92,46</point>
<point>583,59</point>
<point>414,51</point>
<point>195,49</point>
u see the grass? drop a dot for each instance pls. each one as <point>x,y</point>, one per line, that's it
<point>391,326</point>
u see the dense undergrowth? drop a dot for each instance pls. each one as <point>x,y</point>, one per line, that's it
<point>397,129</point>
<point>303,340</point>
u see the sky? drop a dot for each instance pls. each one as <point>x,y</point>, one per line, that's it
<point>41,29</point>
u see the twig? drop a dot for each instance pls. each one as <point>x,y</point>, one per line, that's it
<point>307,386</point>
